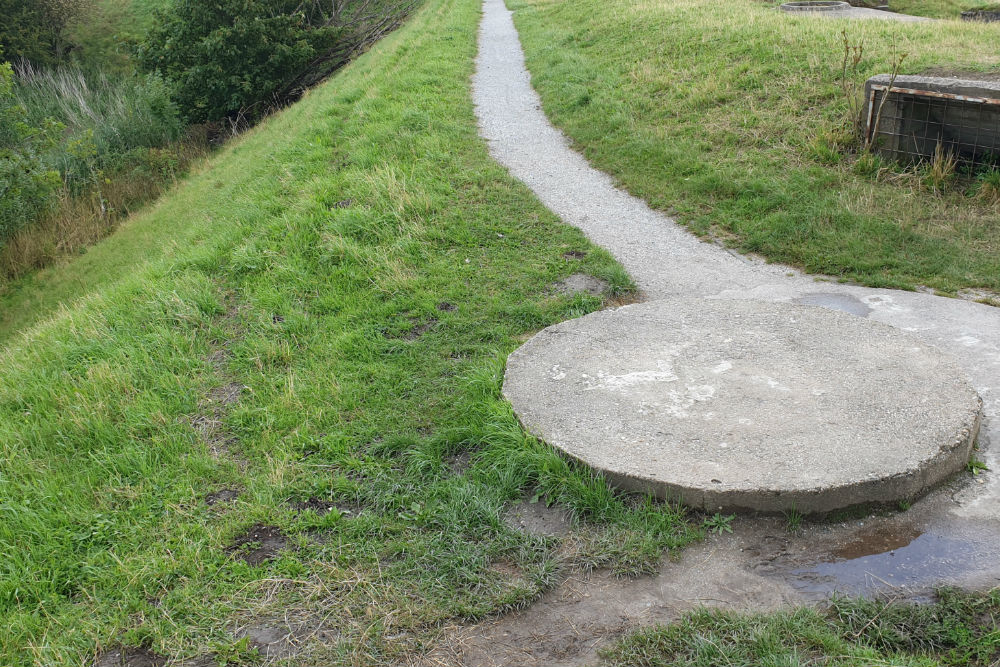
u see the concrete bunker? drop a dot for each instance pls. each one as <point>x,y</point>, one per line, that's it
<point>913,118</point>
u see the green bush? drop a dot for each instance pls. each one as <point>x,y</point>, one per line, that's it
<point>27,183</point>
<point>35,30</point>
<point>229,58</point>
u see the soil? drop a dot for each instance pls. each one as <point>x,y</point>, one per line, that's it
<point>761,566</point>
<point>459,463</point>
<point>446,307</point>
<point>130,657</point>
<point>580,283</point>
<point>283,638</point>
<point>221,496</point>
<point>575,254</point>
<point>227,394</point>
<point>259,544</point>
<point>538,519</point>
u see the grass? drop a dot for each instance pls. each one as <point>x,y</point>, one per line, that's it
<point>957,629</point>
<point>107,30</point>
<point>731,117</point>
<point>317,318</point>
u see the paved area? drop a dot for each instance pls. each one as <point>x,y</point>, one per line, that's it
<point>666,260</point>
<point>860,13</point>
<point>747,405</point>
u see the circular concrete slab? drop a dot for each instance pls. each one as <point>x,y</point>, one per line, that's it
<point>747,405</point>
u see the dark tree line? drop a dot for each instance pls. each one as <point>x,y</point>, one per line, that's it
<point>241,58</point>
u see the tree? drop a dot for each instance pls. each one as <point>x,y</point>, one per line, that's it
<point>36,29</point>
<point>240,57</point>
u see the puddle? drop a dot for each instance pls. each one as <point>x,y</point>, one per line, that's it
<point>896,557</point>
<point>842,302</point>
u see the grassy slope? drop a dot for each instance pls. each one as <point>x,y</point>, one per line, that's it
<point>106,30</point>
<point>730,115</point>
<point>304,272</point>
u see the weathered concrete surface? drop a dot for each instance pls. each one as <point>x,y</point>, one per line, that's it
<point>666,260</point>
<point>747,405</point>
<point>814,6</point>
<point>975,88</point>
<point>867,13</point>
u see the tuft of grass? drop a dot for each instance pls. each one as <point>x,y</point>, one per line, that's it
<point>246,409</point>
<point>940,171</point>
<point>988,187</point>
<point>957,629</point>
<point>734,122</point>
<point>793,519</point>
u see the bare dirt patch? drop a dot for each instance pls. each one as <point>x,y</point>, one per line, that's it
<point>259,544</point>
<point>568,624</point>
<point>538,519</point>
<point>580,283</point>
<point>447,307</point>
<point>281,638</point>
<point>227,394</point>
<point>222,496</point>
<point>762,566</point>
<point>459,463</point>
<point>130,657</point>
<point>574,254</point>
<point>323,506</point>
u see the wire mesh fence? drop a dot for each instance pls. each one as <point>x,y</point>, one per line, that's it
<point>914,125</point>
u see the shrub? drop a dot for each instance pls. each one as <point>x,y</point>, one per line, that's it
<point>27,183</point>
<point>240,57</point>
<point>36,29</point>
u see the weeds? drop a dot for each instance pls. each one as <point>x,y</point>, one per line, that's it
<point>719,523</point>
<point>793,519</point>
<point>939,173</point>
<point>975,466</point>
<point>988,187</point>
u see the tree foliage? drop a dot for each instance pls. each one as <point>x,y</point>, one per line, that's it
<point>240,57</point>
<point>35,30</point>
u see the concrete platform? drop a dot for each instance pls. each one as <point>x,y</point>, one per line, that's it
<point>746,405</point>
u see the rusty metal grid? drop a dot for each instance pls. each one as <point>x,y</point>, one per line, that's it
<point>914,123</point>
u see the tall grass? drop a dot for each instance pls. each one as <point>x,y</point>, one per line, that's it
<point>108,120</point>
<point>122,143</point>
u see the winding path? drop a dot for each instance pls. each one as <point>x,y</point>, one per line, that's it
<point>950,536</point>
<point>667,260</point>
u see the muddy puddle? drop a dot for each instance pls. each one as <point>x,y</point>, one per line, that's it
<point>901,559</point>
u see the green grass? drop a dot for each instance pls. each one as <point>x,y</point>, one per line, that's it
<point>938,9</point>
<point>957,629</point>
<point>107,30</point>
<point>731,116</point>
<point>308,270</point>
